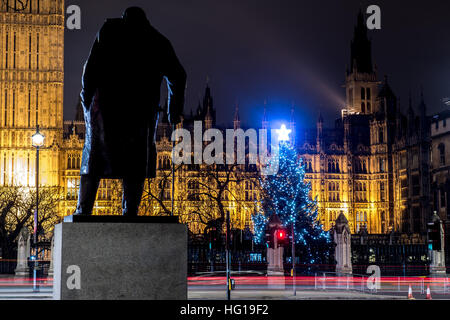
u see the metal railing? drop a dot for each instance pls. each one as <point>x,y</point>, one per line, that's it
<point>335,281</point>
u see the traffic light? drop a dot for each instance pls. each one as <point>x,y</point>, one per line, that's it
<point>282,237</point>
<point>215,239</point>
<point>270,238</point>
<point>434,235</point>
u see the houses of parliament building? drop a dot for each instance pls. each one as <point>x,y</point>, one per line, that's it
<point>387,171</point>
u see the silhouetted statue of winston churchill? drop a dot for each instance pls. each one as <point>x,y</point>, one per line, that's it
<point>120,97</point>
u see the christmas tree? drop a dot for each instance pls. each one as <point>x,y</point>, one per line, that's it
<point>287,195</point>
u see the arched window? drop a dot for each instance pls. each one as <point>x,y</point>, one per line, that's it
<point>368,107</point>
<point>368,94</point>
<point>363,107</point>
<point>363,94</point>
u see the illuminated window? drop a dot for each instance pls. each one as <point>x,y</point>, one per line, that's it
<point>361,220</point>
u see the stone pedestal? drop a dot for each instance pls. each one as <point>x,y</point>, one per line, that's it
<point>437,266</point>
<point>343,252</point>
<point>23,252</point>
<point>275,270</point>
<point>120,259</point>
<point>275,261</point>
<point>50,269</point>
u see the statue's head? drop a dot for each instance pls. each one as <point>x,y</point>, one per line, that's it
<point>134,15</point>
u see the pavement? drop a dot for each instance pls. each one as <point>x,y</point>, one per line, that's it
<point>27,293</point>
<point>12,288</point>
<point>288,295</point>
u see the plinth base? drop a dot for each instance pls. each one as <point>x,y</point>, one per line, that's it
<point>343,271</point>
<point>276,280</point>
<point>120,261</point>
<point>438,271</point>
<point>23,272</point>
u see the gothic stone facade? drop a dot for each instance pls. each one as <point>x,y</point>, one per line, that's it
<point>374,166</point>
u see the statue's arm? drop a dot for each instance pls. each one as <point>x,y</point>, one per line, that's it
<point>175,76</point>
<point>90,75</point>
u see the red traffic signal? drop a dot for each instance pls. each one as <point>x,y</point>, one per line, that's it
<point>282,237</point>
<point>281,234</point>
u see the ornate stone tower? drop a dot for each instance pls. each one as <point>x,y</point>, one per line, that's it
<point>31,88</point>
<point>361,79</point>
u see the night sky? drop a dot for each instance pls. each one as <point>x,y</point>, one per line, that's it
<point>285,51</point>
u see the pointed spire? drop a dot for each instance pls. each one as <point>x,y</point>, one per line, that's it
<point>422,100</point>
<point>422,109</point>
<point>79,115</point>
<point>319,140</point>
<point>265,109</point>
<point>208,117</point>
<point>208,101</point>
<point>236,112</point>
<point>361,48</point>
<point>320,120</point>
<point>199,109</point>
<point>292,112</point>
<point>237,121</point>
<point>265,123</point>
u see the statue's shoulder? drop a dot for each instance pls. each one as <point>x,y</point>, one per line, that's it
<point>110,28</point>
<point>158,36</point>
<point>111,24</point>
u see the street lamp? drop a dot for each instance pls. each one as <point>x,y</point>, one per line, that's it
<point>37,141</point>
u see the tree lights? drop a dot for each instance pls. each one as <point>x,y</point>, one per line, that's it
<point>287,195</point>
